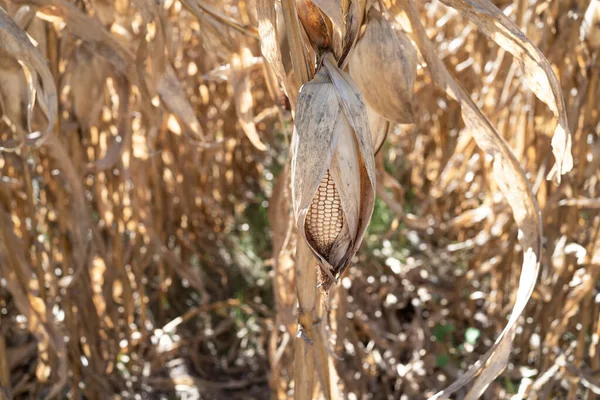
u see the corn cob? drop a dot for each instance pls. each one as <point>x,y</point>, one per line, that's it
<point>325,217</point>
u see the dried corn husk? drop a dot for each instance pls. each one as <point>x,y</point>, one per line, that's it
<point>333,171</point>
<point>590,28</point>
<point>332,24</point>
<point>316,24</point>
<point>384,66</point>
<point>353,21</point>
<point>379,127</point>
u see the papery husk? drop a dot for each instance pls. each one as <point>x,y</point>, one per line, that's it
<point>353,21</point>
<point>332,24</point>
<point>316,24</point>
<point>379,127</point>
<point>330,139</point>
<point>384,66</point>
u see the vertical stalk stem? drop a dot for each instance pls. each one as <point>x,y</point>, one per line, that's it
<point>306,288</point>
<point>306,274</point>
<point>4,368</point>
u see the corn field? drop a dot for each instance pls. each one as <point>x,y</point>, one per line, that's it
<point>300,199</point>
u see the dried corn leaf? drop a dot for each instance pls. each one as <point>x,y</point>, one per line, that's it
<point>88,76</point>
<point>86,28</point>
<point>151,62</point>
<point>14,94</point>
<point>118,147</point>
<point>240,81</point>
<point>82,223</point>
<point>269,45</point>
<point>538,73</point>
<point>514,186</point>
<point>299,56</point>
<point>590,27</point>
<point>15,268</point>
<point>14,41</point>
<point>198,7</point>
<point>172,94</point>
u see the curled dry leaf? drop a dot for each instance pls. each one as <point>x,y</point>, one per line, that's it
<point>86,28</point>
<point>173,95</point>
<point>15,43</point>
<point>151,62</point>
<point>333,171</point>
<point>517,191</point>
<point>538,72</point>
<point>387,90</point>
<point>90,30</point>
<point>14,94</point>
<point>268,29</point>
<point>118,147</point>
<point>240,81</point>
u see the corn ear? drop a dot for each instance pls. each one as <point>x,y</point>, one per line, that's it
<point>333,173</point>
<point>384,66</point>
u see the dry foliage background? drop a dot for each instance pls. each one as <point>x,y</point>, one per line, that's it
<point>138,258</point>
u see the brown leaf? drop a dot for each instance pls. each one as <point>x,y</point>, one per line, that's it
<point>86,28</point>
<point>517,191</point>
<point>88,76</point>
<point>539,75</point>
<point>240,81</point>
<point>14,41</point>
<point>269,45</point>
<point>118,147</point>
<point>173,95</point>
<point>590,31</point>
